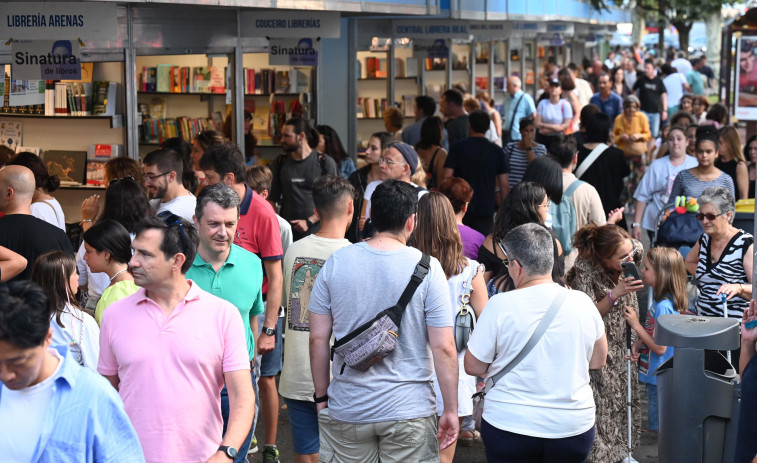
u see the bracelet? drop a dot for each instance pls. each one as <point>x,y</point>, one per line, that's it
<point>86,220</point>
<point>612,300</point>
<point>310,224</point>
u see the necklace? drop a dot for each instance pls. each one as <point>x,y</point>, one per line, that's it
<point>118,273</point>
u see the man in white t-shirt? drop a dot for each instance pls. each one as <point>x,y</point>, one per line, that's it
<point>527,410</point>
<point>52,409</point>
<point>333,199</point>
<point>163,172</point>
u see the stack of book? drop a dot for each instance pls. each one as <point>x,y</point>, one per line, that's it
<point>371,108</point>
<point>167,78</point>
<point>265,81</point>
<point>159,129</point>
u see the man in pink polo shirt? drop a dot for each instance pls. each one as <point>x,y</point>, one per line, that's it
<point>169,348</point>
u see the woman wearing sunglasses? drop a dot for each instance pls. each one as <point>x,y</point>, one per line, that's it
<point>692,182</point>
<point>721,260</point>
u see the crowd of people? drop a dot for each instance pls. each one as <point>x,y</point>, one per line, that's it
<point>153,330</point>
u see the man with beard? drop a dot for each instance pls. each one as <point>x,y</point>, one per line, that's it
<point>294,173</point>
<point>170,347</point>
<point>163,172</point>
<point>228,271</point>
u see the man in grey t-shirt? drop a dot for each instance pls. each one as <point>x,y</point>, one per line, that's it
<point>392,405</point>
<point>451,105</point>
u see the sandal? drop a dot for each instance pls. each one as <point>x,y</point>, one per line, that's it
<point>468,438</point>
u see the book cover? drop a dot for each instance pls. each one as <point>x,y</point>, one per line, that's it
<point>282,82</point>
<point>201,79</point>
<point>216,80</point>
<point>96,173</point>
<point>411,67</point>
<point>69,166</point>
<point>163,78</point>
<point>11,134</point>
<point>104,98</point>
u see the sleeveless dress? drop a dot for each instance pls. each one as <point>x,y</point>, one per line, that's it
<point>466,384</point>
<point>728,270</point>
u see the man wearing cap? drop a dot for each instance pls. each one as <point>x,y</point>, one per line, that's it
<point>399,162</point>
<point>482,164</point>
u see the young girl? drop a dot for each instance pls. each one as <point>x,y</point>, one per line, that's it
<point>665,272</point>
<point>107,249</point>
<point>56,273</point>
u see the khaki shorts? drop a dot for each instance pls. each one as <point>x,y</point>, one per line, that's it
<point>407,441</point>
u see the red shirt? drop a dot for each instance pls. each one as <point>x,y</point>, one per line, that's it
<point>258,230</point>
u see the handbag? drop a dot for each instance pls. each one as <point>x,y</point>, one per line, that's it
<point>465,319</point>
<point>375,339</point>
<point>478,397</point>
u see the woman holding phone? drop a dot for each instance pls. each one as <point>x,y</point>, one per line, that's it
<point>598,272</point>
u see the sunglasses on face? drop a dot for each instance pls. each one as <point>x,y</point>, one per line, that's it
<point>710,217</point>
<point>116,180</point>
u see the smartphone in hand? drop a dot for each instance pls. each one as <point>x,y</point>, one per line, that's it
<point>630,270</point>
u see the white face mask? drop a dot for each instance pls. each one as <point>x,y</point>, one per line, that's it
<point>548,222</point>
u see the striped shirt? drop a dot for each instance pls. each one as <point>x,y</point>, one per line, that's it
<point>517,159</point>
<point>728,270</point>
<point>84,421</point>
<point>686,184</point>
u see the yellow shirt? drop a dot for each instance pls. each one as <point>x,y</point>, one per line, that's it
<point>638,125</point>
<point>112,294</point>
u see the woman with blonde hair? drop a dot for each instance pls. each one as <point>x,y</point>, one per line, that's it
<point>487,104</point>
<point>732,160</point>
<point>436,234</point>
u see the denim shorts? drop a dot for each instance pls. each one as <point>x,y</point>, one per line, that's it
<point>303,422</point>
<point>270,363</point>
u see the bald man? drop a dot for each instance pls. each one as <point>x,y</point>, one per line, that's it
<point>19,230</point>
<point>521,106</point>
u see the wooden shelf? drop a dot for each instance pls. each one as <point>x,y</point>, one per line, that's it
<point>116,121</point>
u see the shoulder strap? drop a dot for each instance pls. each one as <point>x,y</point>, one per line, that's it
<point>44,201</point>
<point>515,109</point>
<point>593,156</point>
<point>420,272</point>
<point>535,337</point>
<point>573,186</point>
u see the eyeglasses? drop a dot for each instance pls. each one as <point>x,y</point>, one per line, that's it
<point>383,160</point>
<point>506,261</point>
<point>710,217</point>
<point>627,258</point>
<point>548,204</point>
<point>150,178</point>
<point>171,219</point>
<point>116,180</point>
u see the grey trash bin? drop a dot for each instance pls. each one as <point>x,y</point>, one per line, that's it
<point>698,390</point>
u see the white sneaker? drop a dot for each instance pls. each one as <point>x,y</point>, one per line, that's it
<point>253,446</point>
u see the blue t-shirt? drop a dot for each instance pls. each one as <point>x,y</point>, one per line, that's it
<point>649,361</point>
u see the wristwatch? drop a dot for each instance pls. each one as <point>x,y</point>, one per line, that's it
<point>321,399</point>
<point>230,452</point>
<point>635,225</point>
<point>269,331</point>
<point>309,222</point>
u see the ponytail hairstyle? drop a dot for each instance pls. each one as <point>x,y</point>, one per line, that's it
<point>599,243</point>
<point>670,281</point>
<point>300,125</point>
<point>42,179</point>
<point>52,271</point>
<point>109,235</point>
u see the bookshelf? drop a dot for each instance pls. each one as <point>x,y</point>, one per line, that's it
<point>273,94</point>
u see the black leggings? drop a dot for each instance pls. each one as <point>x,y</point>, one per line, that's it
<point>507,447</point>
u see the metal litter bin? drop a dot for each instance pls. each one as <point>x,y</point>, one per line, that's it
<point>698,389</point>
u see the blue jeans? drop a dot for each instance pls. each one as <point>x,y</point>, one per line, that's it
<point>242,451</point>
<point>652,410</point>
<point>654,123</point>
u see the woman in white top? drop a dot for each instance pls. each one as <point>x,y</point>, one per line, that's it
<point>44,206</point>
<point>543,408</point>
<point>436,234</point>
<point>56,273</point>
<point>653,192</point>
<point>553,116</point>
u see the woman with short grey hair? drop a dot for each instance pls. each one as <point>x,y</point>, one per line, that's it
<point>529,415</point>
<point>722,259</point>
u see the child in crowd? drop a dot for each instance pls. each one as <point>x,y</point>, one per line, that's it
<point>55,272</point>
<point>664,271</point>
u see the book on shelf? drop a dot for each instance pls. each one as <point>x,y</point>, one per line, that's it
<point>217,80</point>
<point>407,105</point>
<point>399,68</point>
<point>201,79</point>
<point>411,67</point>
<point>104,152</point>
<point>96,173</point>
<point>163,78</point>
<point>104,94</point>
<point>149,79</point>
<point>482,83</point>
<point>157,130</point>
<point>11,133</point>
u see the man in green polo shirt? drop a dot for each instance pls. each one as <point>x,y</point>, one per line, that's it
<point>228,271</point>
